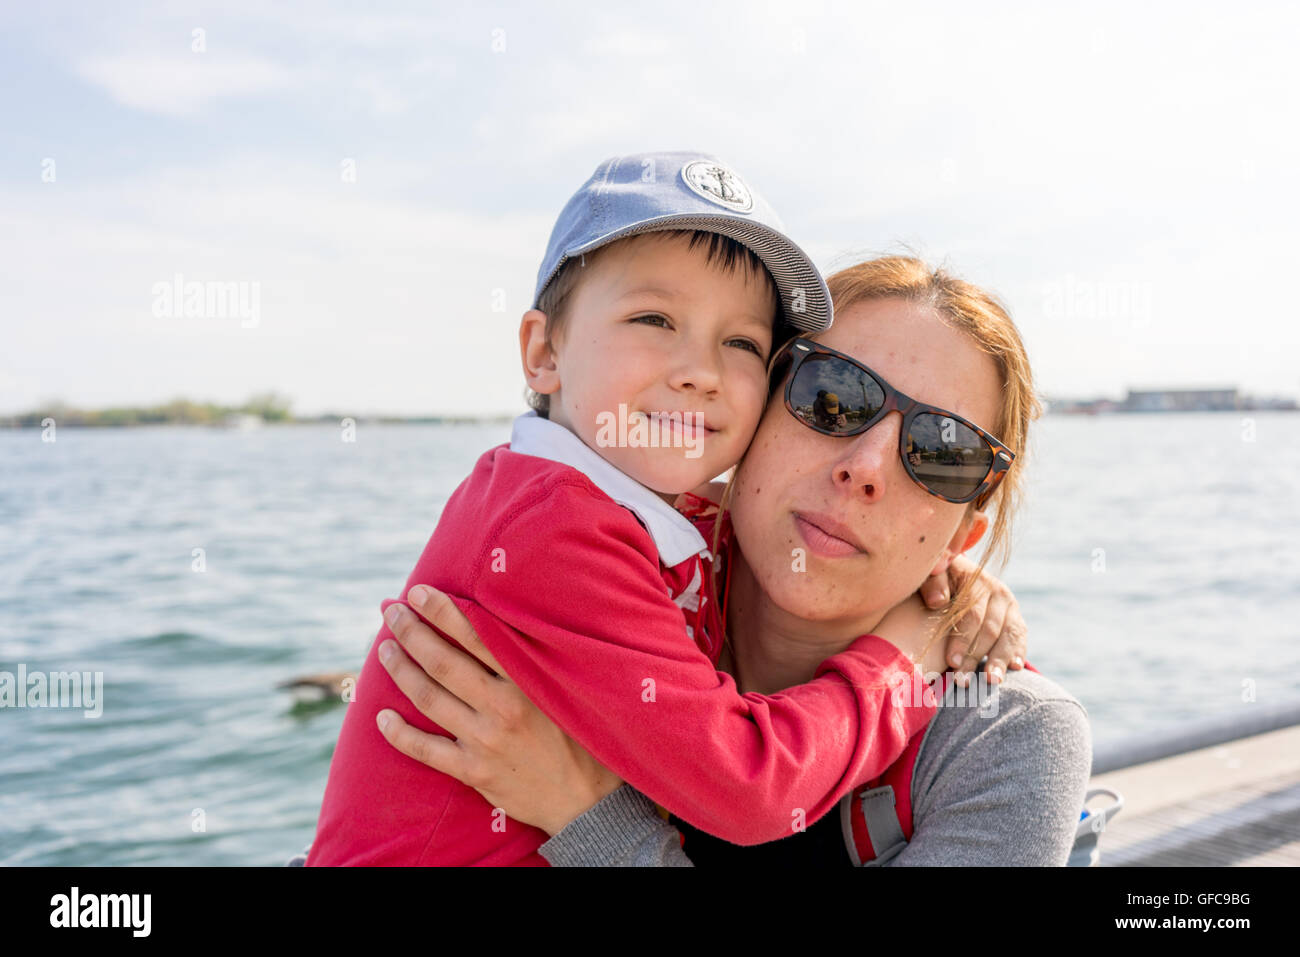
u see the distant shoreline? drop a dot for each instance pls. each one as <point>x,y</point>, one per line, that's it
<point>265,409</point>
<point>21,422</point>
<point>1122,412</point>
<point>40,420</point>
<point>269,409</point>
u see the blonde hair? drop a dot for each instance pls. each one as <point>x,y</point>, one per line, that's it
<point>986,321</point>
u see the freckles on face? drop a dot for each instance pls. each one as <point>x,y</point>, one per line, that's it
<point>905,529</point>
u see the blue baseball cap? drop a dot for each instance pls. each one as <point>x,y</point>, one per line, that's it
<point>651,192</point>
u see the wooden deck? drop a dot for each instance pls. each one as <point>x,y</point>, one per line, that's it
<point>1235,804</point>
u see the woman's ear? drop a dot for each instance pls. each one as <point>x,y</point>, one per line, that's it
<point>967,536</point>
<point>540,370</point>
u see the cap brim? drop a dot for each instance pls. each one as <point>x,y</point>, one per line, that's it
<point>805,300</point>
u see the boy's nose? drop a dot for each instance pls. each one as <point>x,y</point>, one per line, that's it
<point>697,367</point>
<point>866,465</point>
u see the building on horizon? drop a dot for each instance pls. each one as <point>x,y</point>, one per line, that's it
<point>1173,400</point>
<point>1181,400</point>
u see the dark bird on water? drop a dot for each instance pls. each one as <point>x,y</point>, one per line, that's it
<point>319,687</point>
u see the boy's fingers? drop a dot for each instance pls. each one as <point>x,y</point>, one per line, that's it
<point>955,653</point>
<point>1008,653</point>
<point>442,661</point>
<point>433,701</point>
<point>995,669</point>
<point>962,639</point>
<point>433,750</point>
<point>958,570</point>
<point>934,591</point>
<point>1019,630</point>
<point>441,612</point>
<point>1002,655</point>
<point>990,628</point>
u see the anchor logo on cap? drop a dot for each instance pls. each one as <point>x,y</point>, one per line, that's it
<point>718,184</point>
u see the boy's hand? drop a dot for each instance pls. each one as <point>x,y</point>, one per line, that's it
<point>914,630</point>
<point>993,626</point>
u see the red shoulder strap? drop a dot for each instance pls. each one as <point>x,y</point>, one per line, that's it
<point>866,810</point>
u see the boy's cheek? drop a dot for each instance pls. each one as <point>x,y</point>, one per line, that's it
<point>739,443</point>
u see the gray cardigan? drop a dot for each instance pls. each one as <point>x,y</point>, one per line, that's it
<point>998,784</point>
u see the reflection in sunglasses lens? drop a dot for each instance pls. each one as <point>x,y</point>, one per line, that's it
<point>946,456</point>
<point>829,393</point>
<point>833,395</point>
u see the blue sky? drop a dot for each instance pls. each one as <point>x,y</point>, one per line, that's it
<point>1124,177</point>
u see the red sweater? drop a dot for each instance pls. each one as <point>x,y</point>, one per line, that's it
<point>566,589</point>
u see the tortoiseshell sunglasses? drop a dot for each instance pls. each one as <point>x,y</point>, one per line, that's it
<point>835,394</point>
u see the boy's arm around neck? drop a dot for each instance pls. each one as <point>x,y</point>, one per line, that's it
<point>567,594</point>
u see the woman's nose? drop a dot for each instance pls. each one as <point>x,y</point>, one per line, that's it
<point>867,464</point>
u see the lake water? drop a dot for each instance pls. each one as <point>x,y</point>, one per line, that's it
<point>1156,561</point>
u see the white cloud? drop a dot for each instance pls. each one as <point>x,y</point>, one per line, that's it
<point>183,85</point>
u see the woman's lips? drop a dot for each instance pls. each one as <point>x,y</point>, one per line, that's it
<point>823,542</point>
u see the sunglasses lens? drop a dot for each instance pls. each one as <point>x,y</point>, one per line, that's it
<point>832,395</point>
<point>946,456</point>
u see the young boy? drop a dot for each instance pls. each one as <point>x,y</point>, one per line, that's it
<point>666,285</point>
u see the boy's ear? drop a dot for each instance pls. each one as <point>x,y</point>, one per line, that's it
<point>540,371</point>
<point>967,536</point>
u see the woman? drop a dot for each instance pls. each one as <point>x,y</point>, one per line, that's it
<point>873,508</point>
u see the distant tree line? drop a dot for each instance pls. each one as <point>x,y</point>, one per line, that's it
<point>268,406</point>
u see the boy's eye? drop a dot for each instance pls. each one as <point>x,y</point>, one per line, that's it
<point>751,345</point>
<point>653,318</point>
